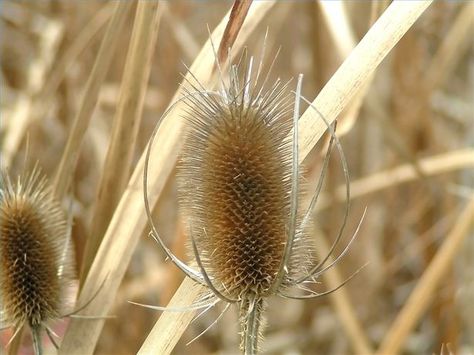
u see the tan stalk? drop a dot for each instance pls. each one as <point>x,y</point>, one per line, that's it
<point>339,26</point>
<point>129,220</point>
<point>26,112</point>
<point>358,68</point>
<point>89,100</point>
<point>127,119</point>
<point>69,58</point>
<point>182,34</point>
<point>169,322</point>
<point>434,165</point>
<point>341,88</point>
<point>425,289</point>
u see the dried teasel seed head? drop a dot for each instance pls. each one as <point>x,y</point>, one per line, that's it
<point>239,189</point>
<point>235,182</point>
<point>35,259</point>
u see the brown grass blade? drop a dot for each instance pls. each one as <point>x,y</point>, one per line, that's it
<point>129,219</point>
<point>126,122</point>
<point>424,292</point>
<point>237,16</point>
<point>340,89</point>
<point>89,100</point>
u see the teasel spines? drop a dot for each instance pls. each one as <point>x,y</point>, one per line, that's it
<point>35,261</point>
<point>240,210</point>
<point>239,189</point>
<point>235,182</point>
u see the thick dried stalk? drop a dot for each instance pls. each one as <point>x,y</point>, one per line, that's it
<point>339,27</point>
<point>126,122</point>
<point>337,93</point>
<point>338,24</point>
<point>89,100</point>
<point>169,321</point>
<point>358,68</point>
<point>425,289</point>
<point>129,220</point>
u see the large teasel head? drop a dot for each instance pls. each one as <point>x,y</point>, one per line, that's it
<point>239,192</point>
<point>35,257</point>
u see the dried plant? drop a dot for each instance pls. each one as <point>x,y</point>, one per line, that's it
<point>36,261</point>
<point>240,195</point>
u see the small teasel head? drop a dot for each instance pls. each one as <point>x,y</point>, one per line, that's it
<point>35,258</point>
<point>238,182</point>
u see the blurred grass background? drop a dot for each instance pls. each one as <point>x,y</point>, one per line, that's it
<point>419,108</point>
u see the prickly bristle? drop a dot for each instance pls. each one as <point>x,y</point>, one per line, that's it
<point>34,265</point>
<point>235,176</point>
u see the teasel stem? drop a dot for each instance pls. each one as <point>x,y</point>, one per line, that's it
<point>36,337</point>
<point>250,314</point>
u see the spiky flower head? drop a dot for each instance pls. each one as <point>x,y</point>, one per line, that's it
<point>235,183</point>
<point>238,182</point>
<point>35,260</point>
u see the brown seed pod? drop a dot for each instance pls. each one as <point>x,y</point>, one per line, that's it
<point>239,192</point>
<point>35,258</point>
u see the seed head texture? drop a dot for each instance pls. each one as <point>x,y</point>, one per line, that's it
<point>32,232</point>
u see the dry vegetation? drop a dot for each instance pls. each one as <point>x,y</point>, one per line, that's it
<point>83,83</point>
